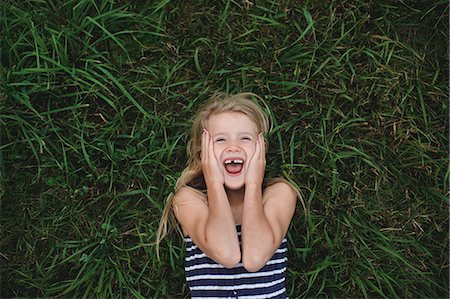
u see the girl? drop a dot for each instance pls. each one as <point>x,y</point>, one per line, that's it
<point>234,222</point>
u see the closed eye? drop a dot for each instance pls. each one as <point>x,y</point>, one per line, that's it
<point>246,138</point>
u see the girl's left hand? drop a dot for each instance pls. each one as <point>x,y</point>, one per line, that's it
<point>257,164</point>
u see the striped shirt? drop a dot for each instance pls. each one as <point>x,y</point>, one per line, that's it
<point>208,279</point>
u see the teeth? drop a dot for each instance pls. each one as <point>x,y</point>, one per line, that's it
<point>237,161</point>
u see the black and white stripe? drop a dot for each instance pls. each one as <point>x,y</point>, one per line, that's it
<point>208,279</point>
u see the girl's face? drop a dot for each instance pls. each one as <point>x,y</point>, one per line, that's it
<point>234,137</point>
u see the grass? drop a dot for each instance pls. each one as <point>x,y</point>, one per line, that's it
<point>96,98</point>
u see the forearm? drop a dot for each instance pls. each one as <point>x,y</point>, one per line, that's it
<point>258,239</point>
<point>220,229</point>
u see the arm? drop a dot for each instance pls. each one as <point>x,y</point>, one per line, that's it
<point>210,225</point>
<point>265,222</point>
<point>266,218</point>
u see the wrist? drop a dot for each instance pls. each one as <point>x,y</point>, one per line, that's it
<point>253,184</point>
<point>214,185</point>
<point>211,180</point>
<point>253,190</point>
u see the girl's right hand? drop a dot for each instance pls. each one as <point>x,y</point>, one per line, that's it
<point>210,166</point>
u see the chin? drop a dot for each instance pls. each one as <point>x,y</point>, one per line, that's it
<point>234,186</point>
<point>234,182</point>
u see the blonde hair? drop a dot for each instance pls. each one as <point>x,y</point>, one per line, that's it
<point>218,103</point>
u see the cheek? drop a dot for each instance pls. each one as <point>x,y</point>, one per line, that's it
<point>251,148</point>
<point>218,151</point>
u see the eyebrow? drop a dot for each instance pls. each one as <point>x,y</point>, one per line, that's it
<point>240,133</point>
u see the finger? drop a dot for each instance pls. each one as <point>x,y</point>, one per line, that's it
<point>208,141</point>
<point>212,154</point>
<point>208,146</point>
<point>263,150</point>
<point>255,156</point>
<point>261,147</point>
<point>202,148</point>
<point>258,147</point>
<point>204,145</point>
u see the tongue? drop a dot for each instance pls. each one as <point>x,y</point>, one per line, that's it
<point>233,168</point>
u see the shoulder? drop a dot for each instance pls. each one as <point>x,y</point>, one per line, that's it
<point>279,200</point>
<point>188,194</point>
<point>187,198</point>
<point>189,205</point>
<point>280,189</point>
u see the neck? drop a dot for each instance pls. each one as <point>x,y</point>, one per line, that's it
<point>235,197</point>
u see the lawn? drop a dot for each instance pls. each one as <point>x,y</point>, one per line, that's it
<point>96,99</point>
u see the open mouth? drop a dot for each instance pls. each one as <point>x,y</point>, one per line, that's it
<point>233,166</point>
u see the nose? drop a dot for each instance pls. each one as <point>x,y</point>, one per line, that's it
<point>233,147</point>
